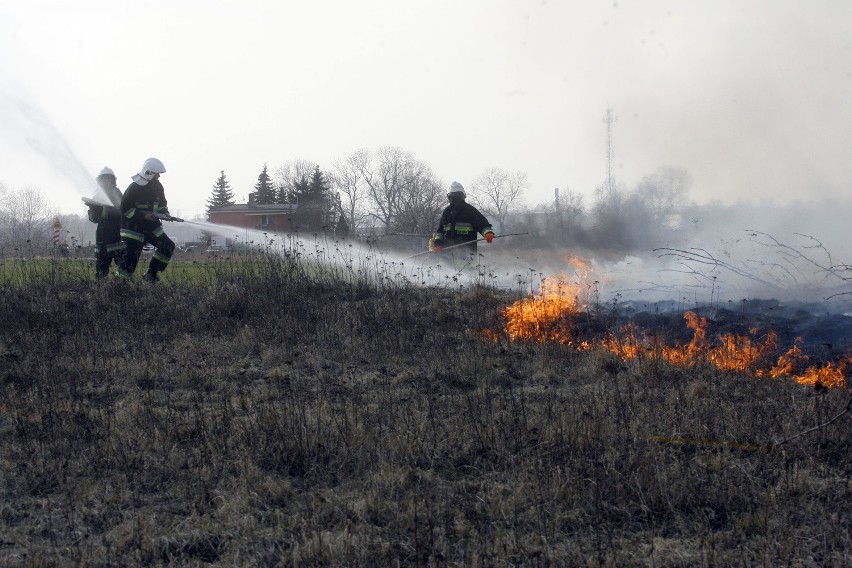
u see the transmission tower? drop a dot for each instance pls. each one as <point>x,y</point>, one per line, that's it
<point>608,119</point>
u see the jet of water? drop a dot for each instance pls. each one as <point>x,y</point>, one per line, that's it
<point>358,255</point>
<point>28,122</point>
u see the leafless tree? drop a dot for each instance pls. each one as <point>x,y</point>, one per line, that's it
<point>421,201</point>
<point>26,221</point>
<point>495,191</point>
<point>664,191</point>
<point>5,222</point>
<point>387,179</point>
<point>350,178</point>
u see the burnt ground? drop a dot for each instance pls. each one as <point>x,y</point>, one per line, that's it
<point>823,334</point>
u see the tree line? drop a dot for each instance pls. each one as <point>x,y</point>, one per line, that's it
<point>387,191</point>
<point>390,191</point>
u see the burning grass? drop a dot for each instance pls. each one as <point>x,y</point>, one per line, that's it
<point>282,417</point>
<point>558,314</point>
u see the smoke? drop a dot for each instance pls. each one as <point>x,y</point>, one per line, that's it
<point>649,245</point>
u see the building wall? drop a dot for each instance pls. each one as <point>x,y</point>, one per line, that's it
<point>235,219</point>
<point>279,222</point>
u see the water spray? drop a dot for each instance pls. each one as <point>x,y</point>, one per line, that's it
<point>24,121</point>
<point>462,245</point>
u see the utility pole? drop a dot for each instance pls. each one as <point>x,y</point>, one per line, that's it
<point>608,119</point>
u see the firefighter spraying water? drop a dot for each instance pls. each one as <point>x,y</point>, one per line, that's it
<point>143,207</point>
<point>108,245</point>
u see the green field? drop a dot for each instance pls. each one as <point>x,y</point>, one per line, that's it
<point>261,412</point>
<point>203,270</point>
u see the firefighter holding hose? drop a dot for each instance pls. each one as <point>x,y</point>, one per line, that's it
<point>142,207</point>
<point>108,244</point>
<point>460,222</point>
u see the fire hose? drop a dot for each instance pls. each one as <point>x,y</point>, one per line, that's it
<point>463,244</point>
<point>164,217</point>
<point>160,216</point>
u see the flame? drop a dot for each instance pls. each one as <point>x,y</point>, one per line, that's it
<point>555,313</point>
<point>547,317</point>
<point>733,353</point>
<point>795,364</point>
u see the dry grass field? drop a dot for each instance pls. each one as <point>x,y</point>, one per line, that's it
<point>278,416</point>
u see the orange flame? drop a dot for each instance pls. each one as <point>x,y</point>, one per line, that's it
<point>553,314</point>
<point>546,317</point>
<point>795,364</point>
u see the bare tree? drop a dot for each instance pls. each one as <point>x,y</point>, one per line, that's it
<point>496,191</point>
<point>386,183</point>
<point>27,220</point>
<point>421,200</point>
<point>5,222</point>
<point>664,192</point>
<point>351,177</point>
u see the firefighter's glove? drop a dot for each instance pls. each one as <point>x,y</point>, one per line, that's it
<point>489,237</point>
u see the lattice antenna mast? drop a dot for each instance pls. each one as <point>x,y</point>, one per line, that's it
<point>608,119</point>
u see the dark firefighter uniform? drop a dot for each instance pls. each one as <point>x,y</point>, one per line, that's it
<point>136,229</point>
<point>460,222</point>
<point>108,244</point>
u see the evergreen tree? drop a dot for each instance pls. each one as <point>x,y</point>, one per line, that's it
<point>222,194</point>
<point>314,190</point>
<point>318,188</point>
<point>264,190</point>
<point>300,189</point>
<point>316,209</point>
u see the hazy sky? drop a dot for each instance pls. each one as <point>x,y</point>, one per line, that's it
<point>753,98</point>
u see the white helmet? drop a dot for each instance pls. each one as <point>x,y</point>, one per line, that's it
<point>150,168</point>
<point>106,171</point>
<point>456,188</point>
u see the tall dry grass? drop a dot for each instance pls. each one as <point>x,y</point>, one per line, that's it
<point>286,415</point>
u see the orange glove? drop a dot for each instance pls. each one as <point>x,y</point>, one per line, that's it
<point>489,237</point>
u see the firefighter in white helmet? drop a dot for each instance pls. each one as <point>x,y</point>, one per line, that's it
<point>459,224</point>
<point>108,244</point>
<point>142,199</point>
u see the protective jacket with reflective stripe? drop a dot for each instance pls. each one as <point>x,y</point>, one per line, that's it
<point>108,218</point>
<point>139,200</point>
<point>460,222</point>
